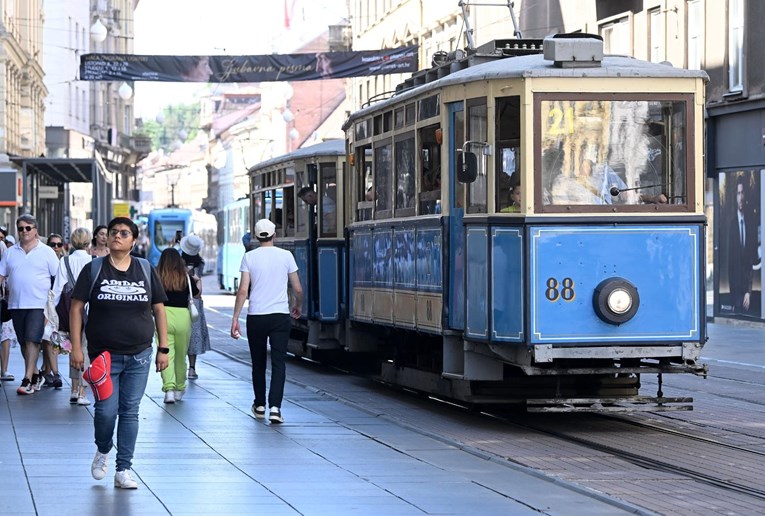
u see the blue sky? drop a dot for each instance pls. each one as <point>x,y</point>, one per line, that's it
<point>220,27</point>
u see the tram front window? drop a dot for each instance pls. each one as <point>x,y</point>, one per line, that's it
<point>164,233</point>
<point>623,152</point>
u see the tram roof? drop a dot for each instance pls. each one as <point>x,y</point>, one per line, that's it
<point>334,147</point>
<point>531,66</point>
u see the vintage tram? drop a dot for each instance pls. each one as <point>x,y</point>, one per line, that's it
<point>522,224</point>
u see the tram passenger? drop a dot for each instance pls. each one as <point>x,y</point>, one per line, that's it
<point>270,269</point>
<point>513,195</point>
<point>120,331</point>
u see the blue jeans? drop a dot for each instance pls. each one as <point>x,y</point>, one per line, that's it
<point>261,328</point>
<point>129,375</point>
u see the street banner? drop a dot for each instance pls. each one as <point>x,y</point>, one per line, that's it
<point>262,68</point>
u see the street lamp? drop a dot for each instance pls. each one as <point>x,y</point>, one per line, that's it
<point>98,31</point>
<point>125,91</point>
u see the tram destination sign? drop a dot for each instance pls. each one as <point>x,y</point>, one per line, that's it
<point>258,68</point>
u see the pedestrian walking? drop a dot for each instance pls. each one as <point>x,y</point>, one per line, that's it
<point>179,288</point>
<point>199,343</point>
<point>123,293</point>
<point>28,267</point>
<point>269,269</point>
<point>69,268</point>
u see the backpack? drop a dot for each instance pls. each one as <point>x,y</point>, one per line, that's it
<point>65,301</point>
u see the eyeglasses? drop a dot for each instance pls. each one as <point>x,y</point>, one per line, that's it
<point>22,229</point>
<point>123,233</point>
<point>56,244</point>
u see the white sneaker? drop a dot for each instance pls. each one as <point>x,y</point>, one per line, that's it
<point>275,415</point>
<point>83,401</point>
<point>170,397</point>
<point>259,412</point>
<point>178,395</point>
<point>100,465</point>
<point>124,480</point>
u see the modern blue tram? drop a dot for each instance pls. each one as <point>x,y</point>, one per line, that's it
<point>520,224</point>
<point>167,226</point>
<point>234,222</point>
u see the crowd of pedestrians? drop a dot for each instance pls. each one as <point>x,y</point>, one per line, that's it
<point>98,300</point>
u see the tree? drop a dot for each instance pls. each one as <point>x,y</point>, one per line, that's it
<point>178,123</point>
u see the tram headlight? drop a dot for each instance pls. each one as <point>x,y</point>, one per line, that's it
<point>615,300</point>
<point>619,301</point>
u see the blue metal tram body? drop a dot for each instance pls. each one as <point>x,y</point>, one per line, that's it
<point>560,301</point>
<point>235,222</point>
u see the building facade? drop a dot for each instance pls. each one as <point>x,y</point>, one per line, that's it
<point>23,93</point>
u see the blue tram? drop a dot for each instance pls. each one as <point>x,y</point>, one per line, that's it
<point>523,224</point>
<point>165,225</point>
<point>234,222</point>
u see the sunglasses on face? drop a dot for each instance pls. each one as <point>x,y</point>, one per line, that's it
<point>56,244</point>
<point>22,229</point>
<point>123,233</point>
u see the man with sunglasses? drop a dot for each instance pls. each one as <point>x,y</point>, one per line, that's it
<point>28,267</point>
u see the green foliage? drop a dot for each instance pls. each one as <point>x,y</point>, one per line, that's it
<point>178,119</point>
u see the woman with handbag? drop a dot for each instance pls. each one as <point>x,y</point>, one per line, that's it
<point>199,343</point>
<point>180,292</point>
<point>69,268</point>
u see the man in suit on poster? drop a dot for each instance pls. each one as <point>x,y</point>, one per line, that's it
<point>742,249</point>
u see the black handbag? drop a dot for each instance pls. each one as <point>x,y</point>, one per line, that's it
<point>5,314</point>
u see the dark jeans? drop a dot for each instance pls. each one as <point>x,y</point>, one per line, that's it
<point>261,329</point>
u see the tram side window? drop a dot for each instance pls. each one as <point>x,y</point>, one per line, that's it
<point>301,213</point>
<point>383,181</point>
<point>430,167</point>
<point>289,208</point>
<point>365,195</point>
<point>508,158</point>
<point>328,199</point>
<point>405,171</point>
<point>477,132</point>
<point>614,152</point>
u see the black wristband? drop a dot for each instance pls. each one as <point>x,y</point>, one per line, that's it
<point>163,350</point>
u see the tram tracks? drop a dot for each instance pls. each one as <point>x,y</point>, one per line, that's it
<point>748,487</point>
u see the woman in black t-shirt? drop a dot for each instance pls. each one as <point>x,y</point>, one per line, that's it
<point>123,293</point>
<point>176,282</point>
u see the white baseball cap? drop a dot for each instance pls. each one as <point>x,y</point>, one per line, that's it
<point>264,229</point>
<point>10,239</point>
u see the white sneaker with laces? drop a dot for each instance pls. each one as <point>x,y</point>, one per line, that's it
<point>259,412</point>
<point>83,401</point>
<point>124,480</point>
<point>178,395</point>
<point>170,397</point>
<point>100,465</point>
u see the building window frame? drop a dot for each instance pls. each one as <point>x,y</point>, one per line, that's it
<point>736,43</point>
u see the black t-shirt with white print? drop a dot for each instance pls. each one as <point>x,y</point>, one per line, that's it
<point>120,318</point>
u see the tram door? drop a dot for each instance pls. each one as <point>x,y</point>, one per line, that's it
<point>456,213</point>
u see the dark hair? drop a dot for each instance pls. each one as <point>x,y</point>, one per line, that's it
<point>304,191</point>
<point>125,222</point>
<point>172,270</point>
<point>95,232</point>
<point>192,259</point>
<point>55,235</point>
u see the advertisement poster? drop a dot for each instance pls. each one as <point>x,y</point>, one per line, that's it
<point>739,264</point>
<point>259,68</point>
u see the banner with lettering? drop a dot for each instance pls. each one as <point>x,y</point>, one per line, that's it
<point>263,68</point>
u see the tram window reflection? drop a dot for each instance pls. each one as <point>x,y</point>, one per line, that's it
<point>624,152</point>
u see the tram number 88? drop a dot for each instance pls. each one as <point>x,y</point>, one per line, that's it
<point>563,290</point>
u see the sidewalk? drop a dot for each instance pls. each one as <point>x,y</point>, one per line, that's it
<point>208,455</point>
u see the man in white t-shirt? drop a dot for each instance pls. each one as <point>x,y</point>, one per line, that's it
<point>28,266</point>
<point>269,269</point>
